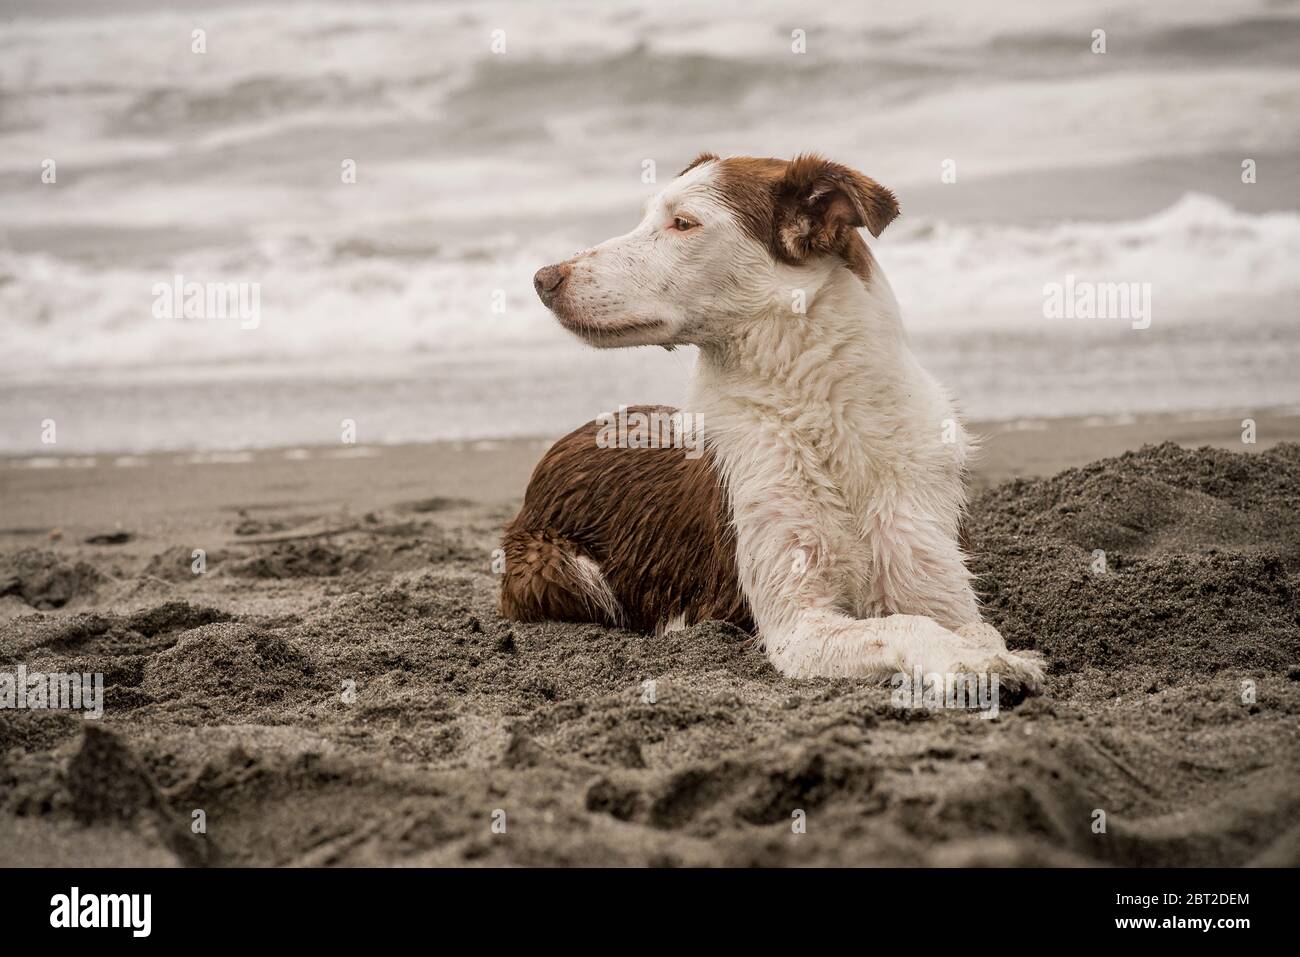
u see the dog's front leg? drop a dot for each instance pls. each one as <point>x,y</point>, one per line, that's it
<point>795,603</point>
<point>821,643</point>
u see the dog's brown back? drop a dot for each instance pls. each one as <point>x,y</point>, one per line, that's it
<point>655,522</point>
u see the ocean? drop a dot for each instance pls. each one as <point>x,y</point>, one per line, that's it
<point>488,139</point>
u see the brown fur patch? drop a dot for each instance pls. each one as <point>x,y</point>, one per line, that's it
<point>807,206</point>
<point>657,523</point>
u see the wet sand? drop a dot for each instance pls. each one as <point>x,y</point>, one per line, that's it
<point>337,688</point>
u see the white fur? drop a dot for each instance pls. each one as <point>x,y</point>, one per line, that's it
<point>676,623</point>
<point>594,588</point>
<point>828,433</point>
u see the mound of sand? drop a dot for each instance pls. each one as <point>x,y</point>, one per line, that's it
<point>1188,562</point>
<point>348,694</point>
<point>44,580</point>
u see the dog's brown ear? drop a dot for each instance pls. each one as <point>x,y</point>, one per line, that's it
<point>819,203</point>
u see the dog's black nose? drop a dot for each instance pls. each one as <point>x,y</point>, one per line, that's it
<point>548,281</point>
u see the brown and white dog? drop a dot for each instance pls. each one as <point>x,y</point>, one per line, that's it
<point>825,513</point>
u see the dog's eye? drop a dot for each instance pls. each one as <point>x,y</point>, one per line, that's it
<point>682,224</point>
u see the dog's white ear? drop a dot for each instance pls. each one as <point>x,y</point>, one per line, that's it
<point>818,203</point>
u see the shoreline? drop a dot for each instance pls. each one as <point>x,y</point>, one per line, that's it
<point>157,495</point>
<point>1140,420</point>
<point>1217,427</point>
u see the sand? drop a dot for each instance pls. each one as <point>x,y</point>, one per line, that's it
<point>336,687</point>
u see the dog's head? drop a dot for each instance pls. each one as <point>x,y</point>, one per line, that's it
<point>727,238</point>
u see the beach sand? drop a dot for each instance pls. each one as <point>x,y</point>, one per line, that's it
<point>336,687</point>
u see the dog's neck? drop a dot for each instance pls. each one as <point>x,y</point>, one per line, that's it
<point>840,375</point>
<point>807,314</point>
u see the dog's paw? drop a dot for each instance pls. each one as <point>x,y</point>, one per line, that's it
<point>1020,673</point>
<point>983,648</point>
